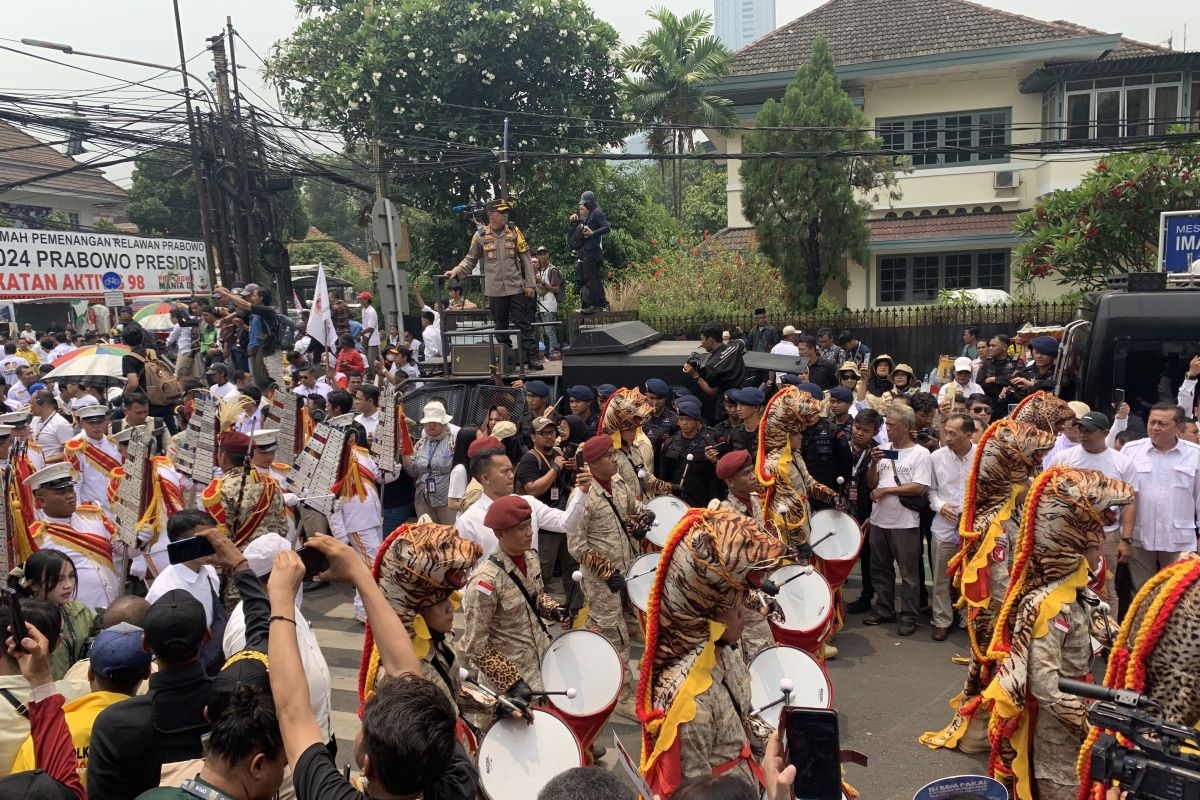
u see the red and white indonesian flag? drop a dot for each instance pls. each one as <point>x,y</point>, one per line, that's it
<point>320,321</point>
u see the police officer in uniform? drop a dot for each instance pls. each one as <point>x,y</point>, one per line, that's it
<point>663,422</point>
<point>826,450</point>
<point>508,276</point>
<point>692,475</point>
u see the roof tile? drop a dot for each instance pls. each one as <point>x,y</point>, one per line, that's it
<point>22,157</point>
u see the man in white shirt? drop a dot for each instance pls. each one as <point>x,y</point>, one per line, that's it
<point>48,428</point>
<point>950,465</point>
<point>901,468</point>
<point>195,576</point>
<point>787,345</point>
<point>494,471</point>
<point>1093,453</point>
<point>307,383</point>
<point>9,363</point>
<point>1187,389</point>
<point>965,384</point>
<point>18,393</point>
<point>431,333</point>
<point>370,328</point>
<point>61,347</point>
<point>1070,432</point>
<point>366,402</point>
<point>181,340</point>
<point>1166,480</point>
<point>221,388</point>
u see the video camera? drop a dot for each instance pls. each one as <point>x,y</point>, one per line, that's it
<point>471,215</point>
<point>1154,768</point>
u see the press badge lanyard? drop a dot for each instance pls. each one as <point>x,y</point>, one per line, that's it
<point>430,482</point>
<point>204,792</point>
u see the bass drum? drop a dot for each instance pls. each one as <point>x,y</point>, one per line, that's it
<point>517,759</point>
<point>810,683</point>
<point>667,513</point>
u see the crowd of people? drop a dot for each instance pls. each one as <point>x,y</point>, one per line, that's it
<point>146,675</point>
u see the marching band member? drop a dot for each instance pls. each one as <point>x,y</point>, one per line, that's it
<point>30,457</point>
<point>93,457</point>
<point>505,636</point>
<point>266,443</point>
<point>357,517</point>
<point>49,428</point>
<point>241,502</point>
<point>606,548</point>
<point>82,532</point>
<point>621,418</point>
<point>166,498</point>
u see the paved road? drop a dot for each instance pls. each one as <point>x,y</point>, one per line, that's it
<point>887,690</point>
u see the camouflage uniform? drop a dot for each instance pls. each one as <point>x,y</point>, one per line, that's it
<point>1061,722</point>
<point>717,734</point>
<point>503,640</point>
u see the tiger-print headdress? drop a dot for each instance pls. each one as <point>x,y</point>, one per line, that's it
<point>418,565</point>
<point>789,411</point>
<point>1064,515</point>
<point>1157,653</point>
<point>1045,410</point>
<point>710,559</point>
<point>625,409</point>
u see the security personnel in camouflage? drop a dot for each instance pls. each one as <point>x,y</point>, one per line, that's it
<point>508,276</point>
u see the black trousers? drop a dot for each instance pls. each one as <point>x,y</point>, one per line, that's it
<point>590,273</point>
<point>513,309</point>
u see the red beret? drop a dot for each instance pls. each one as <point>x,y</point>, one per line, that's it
<point>236,443</point>
<point>486,443</point>
<point>732,463</point>
<point>507,512</point>
<point>597,447</point>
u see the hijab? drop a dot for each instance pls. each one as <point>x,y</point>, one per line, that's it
<point>875,384</point>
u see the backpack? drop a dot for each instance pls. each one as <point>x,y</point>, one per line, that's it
<point>162,386</point>
<point>561,295</point>
<point>277,329</point>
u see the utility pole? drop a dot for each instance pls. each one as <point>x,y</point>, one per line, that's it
<point>228,181</point>
<point>504,162</point>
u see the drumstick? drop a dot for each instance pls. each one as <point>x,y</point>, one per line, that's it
<point>1104,608</point>
<point>576,577</point>
<point>465,677</point>
<point>570,693</point>
<point>786,686</point>
<point>771,588</point>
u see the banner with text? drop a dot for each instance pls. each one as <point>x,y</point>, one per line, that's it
<point>71,264</point>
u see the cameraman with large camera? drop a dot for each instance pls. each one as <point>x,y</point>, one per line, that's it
<point>725,367</point>
<point>508,276</point>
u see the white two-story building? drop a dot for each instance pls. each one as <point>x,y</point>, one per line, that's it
<point>935,74</point>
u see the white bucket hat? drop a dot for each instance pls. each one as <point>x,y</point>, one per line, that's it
<point>435,412</point>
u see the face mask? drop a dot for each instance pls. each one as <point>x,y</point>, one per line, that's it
<point>850,381</point>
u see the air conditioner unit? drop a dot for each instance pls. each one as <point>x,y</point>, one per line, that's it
<point>1008,179</point>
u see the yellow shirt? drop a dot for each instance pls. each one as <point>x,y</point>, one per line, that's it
<point>28,355</point>
<point>80,715</point>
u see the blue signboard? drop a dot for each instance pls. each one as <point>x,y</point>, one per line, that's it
<point>963,787</point>
<point>1179,240</point>
<point>111,281</point>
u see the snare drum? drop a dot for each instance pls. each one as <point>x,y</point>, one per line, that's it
<point>517,759</point>
<point>810,683</point>
<point>806,602</point>
<point>667,513</point>
<point>639,579</point>
<point>835,556</point>
<point>584,661</point>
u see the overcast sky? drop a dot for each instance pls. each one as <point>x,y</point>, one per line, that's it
<point>144,29</point>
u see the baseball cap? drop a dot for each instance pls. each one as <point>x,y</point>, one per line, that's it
<point>364,296</point>
<point>789,330</point>
<point>260,553</point>
<point>541,248</point>
<point>586,197</point>
<point>1094,421</point>
<point>119,649</point>
<point>963,364</point>
<point>175,626</point>
<point>249,289</point>
<point>540,423</point>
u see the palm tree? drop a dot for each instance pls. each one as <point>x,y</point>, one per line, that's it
<point>671,68</point>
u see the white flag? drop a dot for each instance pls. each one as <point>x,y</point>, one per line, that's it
<point>320,320</point>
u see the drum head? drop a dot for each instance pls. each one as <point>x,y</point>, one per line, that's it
<point>847,536</point>
<point>584,661</point>
<point>810,683</point>
<point>516,760</point>
<point>667,513</point>
<point>806,601</point>
<point>639,579</point>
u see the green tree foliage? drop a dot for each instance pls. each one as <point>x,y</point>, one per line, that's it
<point>162,197</point>
<point>810,213</point>
<point>418,73</point>
<point>1109,222</point>
<point>672,67</point>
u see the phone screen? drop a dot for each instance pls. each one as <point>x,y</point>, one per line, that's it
<point>891,455</point>
<point>188,549</point>
<point>810,741</point>
<point>315,562</point>
<point>1118,399</point>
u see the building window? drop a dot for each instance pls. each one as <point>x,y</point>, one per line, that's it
<point>1117,108</point>
<point>73,219</point>
<point>963,137</point>
<point>915,279</point>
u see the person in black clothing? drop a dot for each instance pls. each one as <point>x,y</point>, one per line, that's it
<point>545,473</point>
<point>725,367</point>
<point>722,432</point>
<point>137,411</point>
<point>693,477</point>
<point>750,401</point>
<point>663,422</point>
<point>137,335</point>
<point>133,367</point>
<point>588,229</point>
<point>822,373</point>
<point>858,497</point>
<point>1038,376</point>
<point>995,373</point>
<point>826,452</point>
<point>537,404</point>
<point>133,739</point>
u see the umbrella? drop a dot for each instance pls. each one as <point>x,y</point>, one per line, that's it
<point>155,317</point>
<point>100,363</point>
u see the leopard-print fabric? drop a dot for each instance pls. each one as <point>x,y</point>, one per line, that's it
<point>421,564</point>
<point>1064,517</point>
<point>781,471</point>
<point>1044,410</point>
<point>711,568</point>
<point>624,410</point>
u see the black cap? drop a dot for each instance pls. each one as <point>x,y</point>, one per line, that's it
<point>175,626</point>
<point>499,204</point>
<point>245,668</point>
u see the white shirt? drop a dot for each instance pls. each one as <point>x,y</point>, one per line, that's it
<point>1168,495</point>
<point>181,338</point>
<point>547,300</point>
<point>91,485</point>
<point>470,524</point>
<point>458,482</point>
<point>1060,444</point>
<point>432,335</point>
<point>370,319</point>
<point>415,345</point>
<point>913,465</point>
<point>96,585</point>
<point>949,485</point>
<point>785,348</point>
<point>195,583</point>
<point>223,390</point>
<point>369,422</point>
<point>59,351</point>
<point>8,367</point>
<point>316,670</point>
<point>18,395</point>
<point>353,515</point>
<point>1185,400</point>
<point>965,391</point>
<point>1112,463</point>
<point>51,434</point>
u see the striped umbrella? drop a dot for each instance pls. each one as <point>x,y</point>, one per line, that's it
<point>100,363</point>
<point>155,317</point>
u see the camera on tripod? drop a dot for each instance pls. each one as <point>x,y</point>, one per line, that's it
<point>1152,766</point>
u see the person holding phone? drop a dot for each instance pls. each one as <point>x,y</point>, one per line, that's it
<point>49,575</point>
